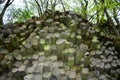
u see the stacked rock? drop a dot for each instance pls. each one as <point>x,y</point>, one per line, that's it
<point>60,47</point>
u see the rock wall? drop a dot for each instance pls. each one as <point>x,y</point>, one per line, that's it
<point>63,46</point>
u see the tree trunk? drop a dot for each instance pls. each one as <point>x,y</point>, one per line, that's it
<point>9,2</point>
<point>112,23</point>
<point>110,20</point>
<point>1,20</point>
<point>97,13</point>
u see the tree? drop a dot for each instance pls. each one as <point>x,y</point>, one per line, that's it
<point>7,4</point>
<point>108,10</point>
<point>2,1</point>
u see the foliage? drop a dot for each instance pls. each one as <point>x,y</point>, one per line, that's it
<point>22,15</point>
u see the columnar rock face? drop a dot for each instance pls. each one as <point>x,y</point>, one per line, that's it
<point>60,47</point>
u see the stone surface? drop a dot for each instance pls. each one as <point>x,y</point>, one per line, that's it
<point>29,77</point>
<point>38,69</point>
<point>72,76</point>
<point>22,68</point>
<point>30,70</point>
<point>64,78</point>
<point>46,75</point>
<point>85,70</point>
<point>56,72</point>
<point>47,66</point>
<point>37,77</point>
<point>59,47</point>
<point>18,64</point>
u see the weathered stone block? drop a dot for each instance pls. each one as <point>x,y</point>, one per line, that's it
<point>29,77</point>
<point>46,76</point>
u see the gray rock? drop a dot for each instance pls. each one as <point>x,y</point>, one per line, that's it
<point>37,77</point>
<point>42,59</point>
<point>55,65</point>
<point>85,71</point>
<point>98,60</point>
<point>118,71</point>
<point>96,72</point>
<point>34,43</point>
<point>9,57</point>
<point>113,64</point>
<point>103,48</point>
<point>53,58</point>
<point>107,51</point>
<point>118,62</point>
<point>104,60</point>
<point>67,73</point>
<point>115,57</point>
<point>29,48</point>
<point>56,72</point>
<point>25,62</point>
<point>9,78</point>
<point>29,77</point>
<point>30,70</point>
<point>83,47</point>
<point>2,77</point>
<point>97,65</point>
<point>110,58</point>
<point>102,56</point>
<point>54,78</point>
<point>60,63</point>
<point>41,64</point>
<point>4,51</point>
<point>47,66</point>
<point>67,68</point>
<point>35,56</point>
<point>107,66</point>
<point>22,68</point>
<point>64,78</point>
<point>38,69</point>
<point>14,70</point>
<point>60,41</point>
<point>38,24</point>
<point>93,78</point>
<point>18,64</point>
<point>94,63</point>
<point>102,64</point>
<point>78,76</point>
<point>49,21</point>
<point>62,71</point>
<point>34,62</point>
<point>17,55</point>
<point>102,77</point>
<point>46,75</point>
<point>72,76</point>
<point>98,52</point>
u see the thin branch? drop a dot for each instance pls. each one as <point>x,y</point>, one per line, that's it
<point>2,1</point>
<point>115,16</point>
<point>86,4</point>
<point>42,5</point>
<point>92,16</point>
<point>46,6</point>
<point>63,6</point>
<point>9,2</point>
<point>39,7</point>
